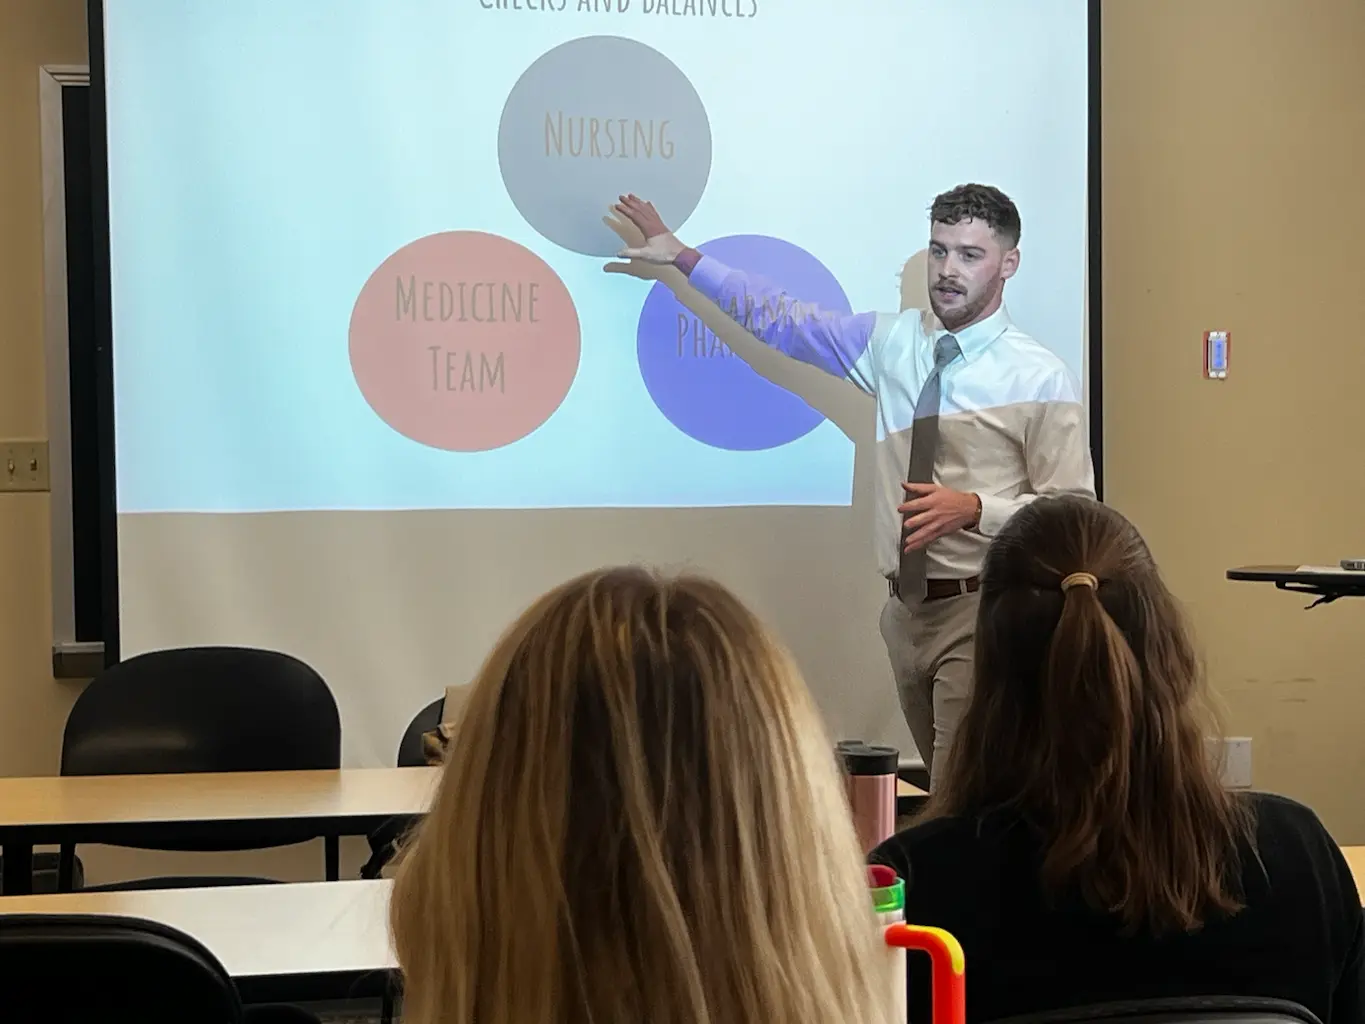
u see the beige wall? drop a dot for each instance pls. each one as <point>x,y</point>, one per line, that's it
<point>1234,135</point>
<point>1234,142</point>
<point>32,706</point>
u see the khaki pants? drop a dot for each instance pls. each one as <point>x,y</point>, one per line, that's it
<point>930,647</point>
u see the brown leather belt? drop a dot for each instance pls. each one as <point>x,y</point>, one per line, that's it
<point>937,590</point>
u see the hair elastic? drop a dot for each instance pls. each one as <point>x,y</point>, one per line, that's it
<point>1080,579</point>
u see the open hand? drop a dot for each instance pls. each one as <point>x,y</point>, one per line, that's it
<point>931,511</point>
<point>630,236</point>
<point>655,244</point>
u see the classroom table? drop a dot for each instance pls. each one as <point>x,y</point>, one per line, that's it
<point>909,798</point>
<point>147,810</point>
<point>292,942</point>
<point>275,808</point>
<point>1323,582</point>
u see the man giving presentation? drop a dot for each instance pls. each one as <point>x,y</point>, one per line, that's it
<point>974,419</point>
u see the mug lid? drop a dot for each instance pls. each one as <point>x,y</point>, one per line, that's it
<point>890,898</point>
<point>879,876</point>
<point>868,759</point>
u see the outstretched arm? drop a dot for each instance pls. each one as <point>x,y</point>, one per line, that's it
<point>839,343</point>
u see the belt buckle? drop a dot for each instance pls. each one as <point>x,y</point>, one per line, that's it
<point>940,589</point>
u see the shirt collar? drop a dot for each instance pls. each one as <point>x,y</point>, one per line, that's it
<point>975,339</point>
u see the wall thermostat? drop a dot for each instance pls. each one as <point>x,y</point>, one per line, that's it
<point>1217,345</point>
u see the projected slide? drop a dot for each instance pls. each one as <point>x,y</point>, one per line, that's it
<point>357,247</point>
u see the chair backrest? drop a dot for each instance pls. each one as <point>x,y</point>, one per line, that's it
<point>203,709</point>
<point>410,753</point>
<point>109,970</point>
<point>1177,1010</point>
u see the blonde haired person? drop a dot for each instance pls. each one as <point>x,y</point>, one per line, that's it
<point>640,822</point>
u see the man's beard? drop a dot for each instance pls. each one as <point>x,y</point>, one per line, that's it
<point>960,312</point>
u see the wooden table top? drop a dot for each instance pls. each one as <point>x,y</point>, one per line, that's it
<point>298,928</point>
<point>209,797</point>
<point>235,796</point>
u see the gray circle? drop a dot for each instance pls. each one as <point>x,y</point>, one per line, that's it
<point>596,118</point>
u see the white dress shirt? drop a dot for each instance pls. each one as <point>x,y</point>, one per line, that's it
<point>1012,425</point>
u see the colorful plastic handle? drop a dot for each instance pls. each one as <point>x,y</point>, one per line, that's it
<point>948,972</point>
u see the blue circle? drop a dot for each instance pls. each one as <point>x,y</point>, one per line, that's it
<point>699,384</point>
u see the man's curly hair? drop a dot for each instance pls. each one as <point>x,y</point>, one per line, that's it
<point>979,202</point>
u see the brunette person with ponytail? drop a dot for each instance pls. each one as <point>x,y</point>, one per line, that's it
<point>1080,845</point>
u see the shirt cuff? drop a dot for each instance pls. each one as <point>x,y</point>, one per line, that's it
<point>708,276</point>
<point>687,260</point>
<point>995,513</point>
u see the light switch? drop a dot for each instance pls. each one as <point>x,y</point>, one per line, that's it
<point>23,466</point>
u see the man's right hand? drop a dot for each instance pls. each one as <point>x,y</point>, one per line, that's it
<point>661,247</point>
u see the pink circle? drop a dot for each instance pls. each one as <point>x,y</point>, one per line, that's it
<point>464,341</point>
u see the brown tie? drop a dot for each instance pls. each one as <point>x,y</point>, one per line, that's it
<point>923,450</point>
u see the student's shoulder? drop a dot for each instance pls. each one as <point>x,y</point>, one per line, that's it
<point>1292,842</point>
<point>1282,823</point>
<point>934,831</point>
<point>1294,852</point>
<point>1278,810</point>
<point>925,841</point>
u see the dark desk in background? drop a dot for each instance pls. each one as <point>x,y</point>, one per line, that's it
<point>1322,582</point>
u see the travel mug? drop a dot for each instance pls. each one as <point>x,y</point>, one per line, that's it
<point>870,774</point>
<point>888,899</point>
<point>947,971</point>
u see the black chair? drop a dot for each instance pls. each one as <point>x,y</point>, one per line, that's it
<point>384,840</point>
<point>1179,1010</point>
<point>85,969</point>
<point>410,753</point>
<point>205,709</point>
